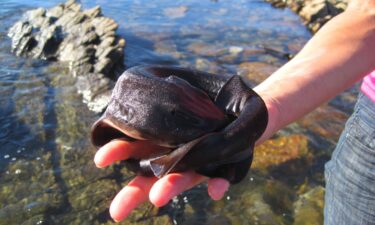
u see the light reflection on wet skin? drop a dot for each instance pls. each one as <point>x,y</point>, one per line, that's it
<point>46,169</point>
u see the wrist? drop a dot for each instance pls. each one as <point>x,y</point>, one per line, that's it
<point>273,109</point>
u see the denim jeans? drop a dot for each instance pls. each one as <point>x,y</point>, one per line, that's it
<point>350,174</point>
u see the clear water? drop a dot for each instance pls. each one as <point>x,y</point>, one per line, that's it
<point>46,171</point>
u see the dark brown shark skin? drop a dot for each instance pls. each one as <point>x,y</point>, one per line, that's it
<point>210,122</point>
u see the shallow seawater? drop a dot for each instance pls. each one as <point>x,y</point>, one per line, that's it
<point>47,175</point>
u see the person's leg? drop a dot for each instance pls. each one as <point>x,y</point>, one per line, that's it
<point>350,174</point>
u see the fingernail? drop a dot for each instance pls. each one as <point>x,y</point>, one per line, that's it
<point>98,160</point>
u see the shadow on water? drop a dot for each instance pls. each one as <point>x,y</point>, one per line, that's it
<point>50,143</point>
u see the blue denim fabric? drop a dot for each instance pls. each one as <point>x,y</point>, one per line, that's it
<point>350,174</point>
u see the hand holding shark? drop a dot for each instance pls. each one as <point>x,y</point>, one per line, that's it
<point>199,121</point>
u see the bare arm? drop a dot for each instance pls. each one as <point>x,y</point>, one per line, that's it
<point>338,55</point>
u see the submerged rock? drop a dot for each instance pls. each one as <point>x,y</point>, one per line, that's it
<point>86,40</point>
<point>308,209</point>
<point>256,72</point>
<point>176,12</point>
<point>325,121</point>
<point>277,151</point>
<point>256,201</point>
<point>206,50</point>
<point>22,178</point>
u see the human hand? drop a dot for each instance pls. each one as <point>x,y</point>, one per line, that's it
<point>142,189</point>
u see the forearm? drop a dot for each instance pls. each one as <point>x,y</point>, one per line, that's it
<point>339,55</point>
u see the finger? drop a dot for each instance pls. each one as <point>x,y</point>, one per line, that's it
<point>131,196</point>
<point>117,150</point>
<point>217,188</point>
<point>171,185</point>
<point>113,151</point>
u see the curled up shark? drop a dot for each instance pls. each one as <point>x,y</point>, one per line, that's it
<point>207,122</point>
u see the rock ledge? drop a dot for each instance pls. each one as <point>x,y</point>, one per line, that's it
<point>314,13</point>
<point>85,40</point>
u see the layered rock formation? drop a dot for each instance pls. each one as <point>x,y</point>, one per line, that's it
<point>315,13</point>
<point>85,40</point>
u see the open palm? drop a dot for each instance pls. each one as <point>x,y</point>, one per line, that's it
<point>141,189</point>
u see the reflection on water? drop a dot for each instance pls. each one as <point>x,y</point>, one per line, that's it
<point>46,171</point>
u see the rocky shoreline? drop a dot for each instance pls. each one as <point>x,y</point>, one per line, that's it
<point>88,43</point>
<point>314,13</point>
<point>48,176</point>
<point>85,40</point>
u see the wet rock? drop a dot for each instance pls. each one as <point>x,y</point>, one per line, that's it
<point>218,220</point>
<point>55,12</point>
<point>39,220</point>
<point>22,178</point>
<point>313,10</point>
<point>325,121</point>
<point>176,12</point>
<point>256,72</point>
<point>47,42</point>
<point>235,50</point>
<point>148,214</point>
<point>250,203</point>
<point>279,150</point>
<point>88,190</point>
<point>85,39</point>
<point>35,14</point>
<point>346,101</point>
<point>308,209</point>
<point>33,101</point>
<point>228,58</point>
<point>168,48</point>
<point>93,12</point>
<point>315,13</point>
<point>94,195</point>
<point>21,37</point>
<point>280,203</point>
<point>73,6</point>
<point>104,25</point>
<point>203,49</point>
<point>96,90</point>
<point>206,65</point>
